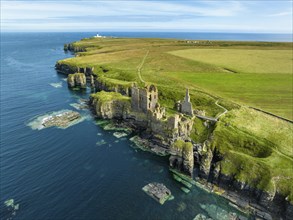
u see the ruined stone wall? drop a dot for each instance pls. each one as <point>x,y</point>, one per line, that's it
<point>186,108</point>
<point>135,99</point>
<point>143,100</point>
<point>152,97</point>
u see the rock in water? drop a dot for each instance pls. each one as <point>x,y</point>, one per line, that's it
<point>9,202</point>
<point>76,80</point>
<point>201,217</point>
<point>61,120</point>
<point>119,134</point>
<point>158,191</point>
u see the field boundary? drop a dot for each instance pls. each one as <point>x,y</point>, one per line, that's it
<point>271,114</point>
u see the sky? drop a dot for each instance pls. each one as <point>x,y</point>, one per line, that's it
<point>242,16</point>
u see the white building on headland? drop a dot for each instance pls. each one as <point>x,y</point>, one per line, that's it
<point>99,36</point>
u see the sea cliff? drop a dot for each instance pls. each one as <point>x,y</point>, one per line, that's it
<point>202,149</point>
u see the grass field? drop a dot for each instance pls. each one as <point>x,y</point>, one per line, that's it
<point>250,73</point>
<point>257,148</point>
<point>243,60</point>
<point>256,152</point>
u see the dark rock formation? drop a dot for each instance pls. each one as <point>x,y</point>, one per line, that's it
<point>182,157</point>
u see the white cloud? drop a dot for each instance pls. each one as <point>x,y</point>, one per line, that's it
<point>285,13</point>
<point>189,15</point>
<point>47,9</point>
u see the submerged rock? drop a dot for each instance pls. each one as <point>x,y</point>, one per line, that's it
<point>120,134</point>
<point>101,142</point>
<point>181,207</point>
<point>78,106</point>
<point>217,213</point>
<point>184,189</point>
<point>10,204</point>
<point>146,145</point>
<point>158,191</point>
<point>56,85</point>
<point>201,217</point>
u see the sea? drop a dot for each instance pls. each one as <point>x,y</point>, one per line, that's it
<point>83,171</point>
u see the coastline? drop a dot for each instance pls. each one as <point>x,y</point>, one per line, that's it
<point>234,198</point>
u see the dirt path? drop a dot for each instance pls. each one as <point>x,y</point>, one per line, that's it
<point>225,110</point>
<point>140,67</point>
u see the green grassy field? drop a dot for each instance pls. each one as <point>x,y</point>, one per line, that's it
<point>257,148</point>
<point>243,60</point>
<point>250,73</point>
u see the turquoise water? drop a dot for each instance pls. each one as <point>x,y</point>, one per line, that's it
<point>63,173</point>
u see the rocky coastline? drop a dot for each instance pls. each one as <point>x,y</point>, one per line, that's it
<point>156,133</point>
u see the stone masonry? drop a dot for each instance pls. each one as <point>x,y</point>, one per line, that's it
<point>144,99</point>
<point>185,106</point>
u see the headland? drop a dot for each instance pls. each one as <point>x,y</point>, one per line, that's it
<point>176,96</point>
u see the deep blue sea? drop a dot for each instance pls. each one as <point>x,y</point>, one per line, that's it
<point>206,36</point>
<point>62,173</point>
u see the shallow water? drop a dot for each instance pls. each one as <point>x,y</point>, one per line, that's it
<point>82,172</point>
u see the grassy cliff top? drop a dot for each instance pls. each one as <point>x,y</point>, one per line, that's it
<point>257,149</point>
<point>103,97</point>
<point>257,74</point>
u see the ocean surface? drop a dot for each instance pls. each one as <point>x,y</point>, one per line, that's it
<point>205,36</point>
<point>81,172</point>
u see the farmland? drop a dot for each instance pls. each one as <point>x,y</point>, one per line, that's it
<point>249,73</point>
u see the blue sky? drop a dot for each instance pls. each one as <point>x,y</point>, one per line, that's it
<point>257,16</point>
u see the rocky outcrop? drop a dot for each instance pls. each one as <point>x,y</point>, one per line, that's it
<point>76,80</point>
<point>158,192</point>
<point>182,157</point>
<point>65,68</point>
<point>208,163</point>
<point>73,48</point>
<point>204,159</point>
<point>61,120</point>
<point>102,85</point>
<point>109,105</point>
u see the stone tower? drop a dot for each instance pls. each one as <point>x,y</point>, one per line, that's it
<point>186,106</point>
<point>144,99</point>
<point>135,98</point>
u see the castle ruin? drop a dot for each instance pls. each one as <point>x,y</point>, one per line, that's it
<point>185,106</point>
<point>144,99</point>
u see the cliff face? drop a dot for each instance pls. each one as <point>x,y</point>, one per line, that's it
<point>76,80</point>
<point>99,83</point>
<point>208,163</point>
<point>109,105</point>
<point>102,85</point>
<point>182,157</point>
